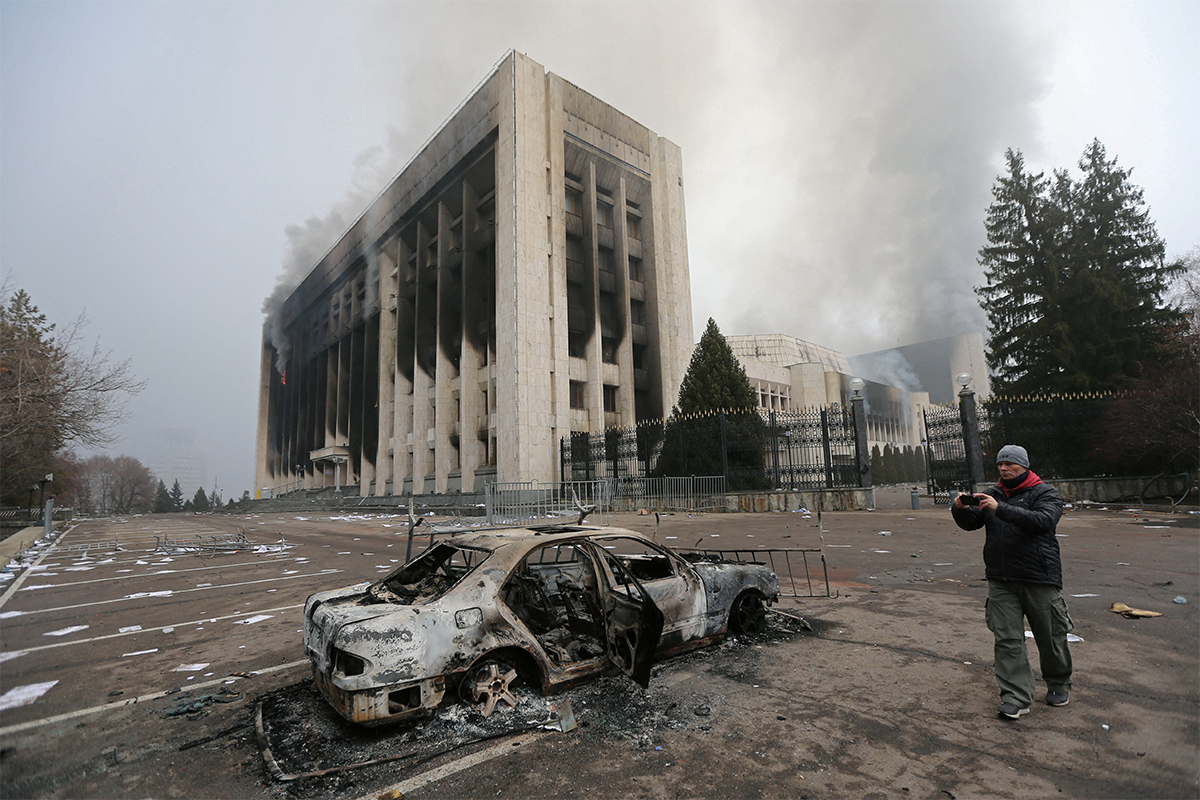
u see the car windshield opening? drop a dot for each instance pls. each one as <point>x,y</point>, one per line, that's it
<point>428,576</point>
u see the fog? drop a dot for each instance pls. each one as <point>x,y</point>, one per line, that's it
<point>171,168</point>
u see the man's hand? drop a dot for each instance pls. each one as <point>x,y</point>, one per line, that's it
<point>987,502</point>
<point>958,500</point>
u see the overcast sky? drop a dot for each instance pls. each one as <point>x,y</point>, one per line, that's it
<point>162,165</point>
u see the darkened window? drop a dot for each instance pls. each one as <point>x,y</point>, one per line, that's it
<point>607,259</point>
<point>578,394</point>
<point>637,312</point>
<point>604,214</point>
<point>608,306</point>
<point>639,356</point>
<point>610,398</point>
<point>577,344</point>
<point>635,269</point>
<point>608,350</point>
<point>574,201</point>
<point>635,226</point>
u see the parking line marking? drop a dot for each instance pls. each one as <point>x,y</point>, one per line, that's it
<point>446,770</point>
<point>159,628</point>
<point>184,591</point>
<point>83,712</point>
<point>173,572</point>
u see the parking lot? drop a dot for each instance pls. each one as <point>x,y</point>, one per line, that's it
<point>132,662</point>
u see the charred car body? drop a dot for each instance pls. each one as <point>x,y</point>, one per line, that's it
<point>554,605</point>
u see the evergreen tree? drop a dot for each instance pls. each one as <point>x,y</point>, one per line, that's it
<point>200,501</point>
<point>876,465</point>
<point>1061,256</point>
<point>162,500</point>
<point>715,380</point>
<point>177,496</point>
<point>715,392</point>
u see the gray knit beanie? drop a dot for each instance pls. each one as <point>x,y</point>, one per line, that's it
<point>1014,454</point>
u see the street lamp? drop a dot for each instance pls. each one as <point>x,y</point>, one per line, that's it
<point>963,379</point>
<point>856,386</point>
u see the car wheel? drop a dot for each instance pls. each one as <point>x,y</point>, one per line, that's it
<point>487,683</point>
<point>748,615</point>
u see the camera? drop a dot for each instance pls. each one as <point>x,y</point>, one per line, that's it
<point>969,499</point>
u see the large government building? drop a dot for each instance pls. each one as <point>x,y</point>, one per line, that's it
<point>524,277</point>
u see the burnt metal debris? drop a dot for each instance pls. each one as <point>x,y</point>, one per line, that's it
<point>209,546</point>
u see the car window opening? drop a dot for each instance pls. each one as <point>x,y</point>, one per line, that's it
<point>555,594</point>
<point>427,577</point>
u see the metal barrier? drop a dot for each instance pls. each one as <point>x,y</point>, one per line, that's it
<point>209,546</point>
<point>780,560</point>
<point>694,493</point>
<point>513,503</point>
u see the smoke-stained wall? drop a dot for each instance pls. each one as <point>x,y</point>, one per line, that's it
<point>525,276</point>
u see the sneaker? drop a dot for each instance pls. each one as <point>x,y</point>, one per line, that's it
<point>1012,710</point>
<point>1056,698</point>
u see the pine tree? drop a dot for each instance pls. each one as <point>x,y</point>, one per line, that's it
<point>1060,257</point>
<point>714,392</point>
<point>162,500</point>
<point>177,496</point>
<point>715,380</point>
<point>200,501</point>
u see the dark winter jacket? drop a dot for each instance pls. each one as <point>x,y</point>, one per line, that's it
<point>1020,543</point>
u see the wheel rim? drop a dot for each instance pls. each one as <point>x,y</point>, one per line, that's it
<point>750,615</point>
<point>488,684</point>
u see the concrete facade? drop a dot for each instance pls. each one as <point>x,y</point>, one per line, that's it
<point>790,374</point>
<point>525,276</point>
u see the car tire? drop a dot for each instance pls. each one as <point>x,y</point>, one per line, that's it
<point>748,614</point>
<point>488,683</point>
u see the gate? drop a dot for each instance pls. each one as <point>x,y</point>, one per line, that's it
<point>946,453</point>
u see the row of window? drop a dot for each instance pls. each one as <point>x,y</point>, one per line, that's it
<point>604,213</point>
<point>579,396</point>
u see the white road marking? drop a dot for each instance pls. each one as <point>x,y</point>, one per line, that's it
<point>65,631</point>
<point>178,571</point>
<point>24,695</point>
<point>83,712</point>
<point>165,628</point>
<point>185,591</point>
<point>453,768</point>
<point>140,652</point>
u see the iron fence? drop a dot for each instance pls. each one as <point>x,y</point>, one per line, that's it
<point>1063,435</point>
<point>810,449</point>
<point>513,503</point>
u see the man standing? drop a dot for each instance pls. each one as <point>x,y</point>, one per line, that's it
<point>1024,574</point>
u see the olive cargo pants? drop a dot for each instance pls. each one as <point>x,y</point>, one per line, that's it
<point>1009,604</point>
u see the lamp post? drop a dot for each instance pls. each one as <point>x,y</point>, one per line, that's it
<point>970,425</point>
<point>42,498</point>
<point>858,403</point>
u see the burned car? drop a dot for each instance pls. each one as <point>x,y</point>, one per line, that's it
<point>551,605</point>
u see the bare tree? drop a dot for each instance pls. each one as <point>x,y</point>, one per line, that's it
<point>103,485</point>
<point>56,390</point>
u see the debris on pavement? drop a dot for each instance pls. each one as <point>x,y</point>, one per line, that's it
<point>1132,613</point>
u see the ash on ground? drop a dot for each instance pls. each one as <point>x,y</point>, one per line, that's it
<point>306,735</point>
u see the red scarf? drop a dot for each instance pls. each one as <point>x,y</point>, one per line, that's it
<point>1027,482</point>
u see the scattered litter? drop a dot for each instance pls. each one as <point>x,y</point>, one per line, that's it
<point>38,586</point>
<point>252,620</point>
<point>1086,594</point>
<point>168,630</point>
<point>943,564</point>
<point>65,631</point>
<point>702,711</point>
<point>189,667</point>
<point>881,551</point>
<point>1070,637</point>
<point>885,533</point>
<point>1105,727</point>
<point>24,695</point>
<point>1132,613</point>
<point>139,652</point>
<point>1122,563</point>
<point>1180,599</point>
<point>129,629</point>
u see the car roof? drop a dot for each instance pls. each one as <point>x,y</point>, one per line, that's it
<point>530,537</point>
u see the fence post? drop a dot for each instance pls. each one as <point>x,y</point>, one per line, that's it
<point>861,450</point>
<point>774,449</point>
<point>971,440</point>
<point>724,449</point>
